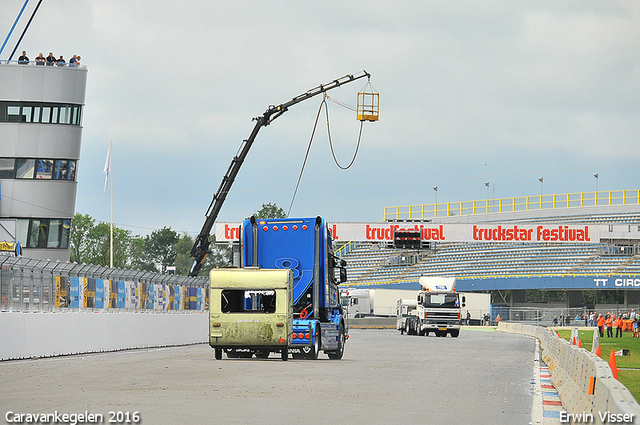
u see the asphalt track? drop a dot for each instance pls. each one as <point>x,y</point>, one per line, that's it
<point>482,377</point>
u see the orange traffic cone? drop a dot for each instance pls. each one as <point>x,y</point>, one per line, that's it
<point>579,343</point>
<point>598,351</point>
<point>612,364</point>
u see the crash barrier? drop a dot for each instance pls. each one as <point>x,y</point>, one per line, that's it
<point>584,381</point>
<point>31,335</point>
<point>31,285</point>
<point>49,308</point>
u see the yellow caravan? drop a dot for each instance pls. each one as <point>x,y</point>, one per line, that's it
<point>250,312</point>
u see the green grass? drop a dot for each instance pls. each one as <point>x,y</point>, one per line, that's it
<point>629,378</point>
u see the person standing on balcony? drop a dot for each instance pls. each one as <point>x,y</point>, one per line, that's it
<point>23,59</point>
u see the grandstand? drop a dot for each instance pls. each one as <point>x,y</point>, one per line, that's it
<point>530,265</point>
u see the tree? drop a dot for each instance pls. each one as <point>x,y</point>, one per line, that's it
<point>139,257</point>
<point>79,236</point>
<point>159,245</point>
<point>270,211</point>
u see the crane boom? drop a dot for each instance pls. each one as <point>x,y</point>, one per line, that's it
<point>200,248</point>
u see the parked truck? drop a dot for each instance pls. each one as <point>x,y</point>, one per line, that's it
<point>312,319</point>
<point>437,309</point>
<point>403,307</point>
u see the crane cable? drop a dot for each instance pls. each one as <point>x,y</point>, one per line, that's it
<point>305,158</point>
<point>315,125</point>
<point>355,154</point>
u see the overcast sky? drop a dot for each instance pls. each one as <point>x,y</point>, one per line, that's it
<point>470,92</point>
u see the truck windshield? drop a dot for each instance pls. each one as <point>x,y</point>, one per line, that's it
<point>441,301</point>
<point>248,301</point>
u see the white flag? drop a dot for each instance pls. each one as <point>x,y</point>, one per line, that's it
<point>107,168</point>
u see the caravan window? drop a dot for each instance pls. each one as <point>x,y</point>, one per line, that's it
<point>248,301</point>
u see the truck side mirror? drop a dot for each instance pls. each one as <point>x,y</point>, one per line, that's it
<point>343,275</point>
<point>464,301</point>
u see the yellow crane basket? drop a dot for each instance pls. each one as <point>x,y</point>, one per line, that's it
<point>368,104</point>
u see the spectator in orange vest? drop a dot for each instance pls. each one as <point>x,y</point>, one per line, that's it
<point>600,325</point>
<point>619,326</point>
<point>609,323</point>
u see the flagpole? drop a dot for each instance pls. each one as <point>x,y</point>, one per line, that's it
<point>111,213</point>
<point>107,171</point>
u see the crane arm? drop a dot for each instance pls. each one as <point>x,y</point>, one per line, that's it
<point>200,248</point>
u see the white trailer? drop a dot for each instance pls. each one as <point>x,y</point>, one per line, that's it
<point>380,302</point>
<point>477,305</point>
<point>384,301</point>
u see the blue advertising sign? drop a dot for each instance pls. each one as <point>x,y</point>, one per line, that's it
<point>75,292</point>
<point>99,293</point>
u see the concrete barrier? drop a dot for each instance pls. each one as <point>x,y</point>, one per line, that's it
<point>27,335</point>
<point>584,381</point>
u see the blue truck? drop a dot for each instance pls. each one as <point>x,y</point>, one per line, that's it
<point>305,246</point>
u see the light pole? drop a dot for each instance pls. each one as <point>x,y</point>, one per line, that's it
<point>541,180</point>
<point>435,207</point>
<point>596,194</point>
<point>487,184</point>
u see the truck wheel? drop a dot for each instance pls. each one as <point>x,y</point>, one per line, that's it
<point>455,333</point>
<point>315,349</point>
<point>285,354</point>
<point>407,327</point>
<point>218,353</point>
<point>262,354</point>
<point>337,355</point>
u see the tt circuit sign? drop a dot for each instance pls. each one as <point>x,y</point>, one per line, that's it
<point>548,282</point>
<point>495,232</point>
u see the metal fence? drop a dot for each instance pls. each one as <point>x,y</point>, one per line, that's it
<point>33,285</point>
<point>540,316</point>
<point>544,316</point>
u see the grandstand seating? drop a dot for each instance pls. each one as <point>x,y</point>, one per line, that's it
<point>371,263</point>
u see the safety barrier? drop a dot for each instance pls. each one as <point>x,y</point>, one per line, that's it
<point>584,381</point>
<point>49,309</point>
<point>28,335</point>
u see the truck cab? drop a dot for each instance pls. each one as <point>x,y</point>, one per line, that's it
<point>437,310</point>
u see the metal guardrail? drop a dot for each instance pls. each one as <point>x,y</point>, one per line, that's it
<point>514,204</point>
<point>41,285</point>
<point>32,62</point>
